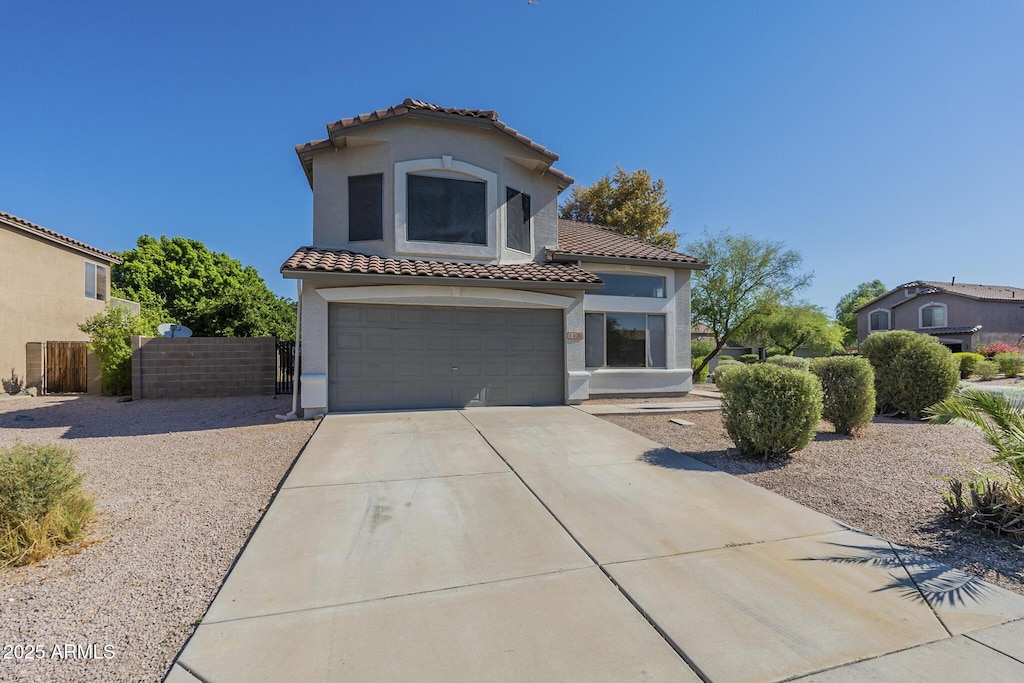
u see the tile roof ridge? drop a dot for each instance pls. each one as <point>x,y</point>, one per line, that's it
<point>56,236</point>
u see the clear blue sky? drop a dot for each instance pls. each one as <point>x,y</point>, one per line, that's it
<point>880,139</point>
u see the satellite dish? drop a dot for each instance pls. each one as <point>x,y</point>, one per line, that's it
<point>173,330</point>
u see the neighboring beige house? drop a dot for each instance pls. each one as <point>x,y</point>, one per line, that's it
<point>440,275</point>
<point>962,316</point>
<point>49,283</point>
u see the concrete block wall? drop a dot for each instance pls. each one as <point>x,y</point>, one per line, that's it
<point>203,366</point>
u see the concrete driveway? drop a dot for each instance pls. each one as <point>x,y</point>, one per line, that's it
<point>513,544</point>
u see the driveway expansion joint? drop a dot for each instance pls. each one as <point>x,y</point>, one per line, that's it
<point>622,591</point>
<point>392,481</point>
<point>917,587</point>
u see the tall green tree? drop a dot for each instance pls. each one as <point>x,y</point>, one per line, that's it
<point>209,292</point>
<point>852,300</point>
<point>631,202</point>
<point>789,327</point>
<point>745,281</point>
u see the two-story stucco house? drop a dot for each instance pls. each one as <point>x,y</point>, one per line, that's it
<point>49,284</point>
<point>962,316</point>
<point>440,275</point>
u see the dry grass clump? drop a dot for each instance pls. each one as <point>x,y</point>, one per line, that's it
<point>42,505</point>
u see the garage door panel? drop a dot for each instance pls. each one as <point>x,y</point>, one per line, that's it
<point>397,357</point>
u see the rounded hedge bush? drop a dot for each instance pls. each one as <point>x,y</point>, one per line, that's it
<point>790,362</point>
<point>701,347</point>
<point>912,371</point>
<point>968,363</point>
<point>701,376</point>
<point>725,363</point>
<point>848,386</point>
<point>1010,364</point>
<point>987,370</point>
<point>749,358</point>
<point>769,410</point>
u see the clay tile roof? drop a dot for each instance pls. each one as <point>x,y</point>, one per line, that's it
<point>31,228</point>
<point>578,239</point>
<point>410,106</point>
<point>317,260</point>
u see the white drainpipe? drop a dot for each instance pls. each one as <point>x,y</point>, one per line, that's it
<point>298,354</point>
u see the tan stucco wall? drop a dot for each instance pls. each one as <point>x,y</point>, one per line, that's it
<point>42,295</point>
<point>384,145</point>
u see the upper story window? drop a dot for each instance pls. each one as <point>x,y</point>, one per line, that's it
<point>879,321</point>
<point>517,220</point>
<point>933,315</point>
<point>620,284</point>
<point>446,207</point>
<point>447,210</point>
<point>366,207</point>
<point>95,282</point>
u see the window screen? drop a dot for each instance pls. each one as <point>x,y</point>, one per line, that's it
<point>517,220</point>
<point>933,316</point>
<point>365,207</point>
<point>655,341</point>
<point>101,283</point>
<point>90,280</point>
<point>446,210</point>
<point>595,340</point>
<point>626,339</point>
<point>879,321</point>
<point>616,284</point>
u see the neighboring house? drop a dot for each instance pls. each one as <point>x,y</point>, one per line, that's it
<point>964,317</point>
<point>440,275</point>
<point>49,283</point>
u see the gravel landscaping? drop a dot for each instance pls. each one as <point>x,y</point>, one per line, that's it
<point>179,485</point>
<point>886,482</point>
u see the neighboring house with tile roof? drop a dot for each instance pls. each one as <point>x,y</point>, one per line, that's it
<point>439,275</point>
<point>962,316</point>
<point>49,283</point>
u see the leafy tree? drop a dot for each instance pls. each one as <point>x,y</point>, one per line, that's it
<point>790,327</point>
<point>745,281</point>
<point>860,295</point>
<point>630,202</point>
<point>110,333</point>
<point>214,295</point>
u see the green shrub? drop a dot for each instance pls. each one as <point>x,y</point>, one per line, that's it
<point>1010,364</point>
<point>41,502</point>
<point>749,358</point>
<point>968,363</point>
<point>701,376</point>
<point>987,370</point>
<point>774,351</point>
<point>770,410</point>
<point>110,334</point>
<point>848,386</point>
<point>790,362</point>
<point>725,364</point>
<point>912,371</point>
<point>701,347</point>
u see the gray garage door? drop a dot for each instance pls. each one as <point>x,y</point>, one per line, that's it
<point>387,357</point>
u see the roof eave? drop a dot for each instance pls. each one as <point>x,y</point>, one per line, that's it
<point>92,252</point>
<point>371,278</point>
<point>572,257</point>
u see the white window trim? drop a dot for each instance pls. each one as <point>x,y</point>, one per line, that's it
<point>647,340</point>
<point>920,315</point>
<point>888,318</point>
<point>85,294</point>
<point>503,226</point>
<point>444,167</point>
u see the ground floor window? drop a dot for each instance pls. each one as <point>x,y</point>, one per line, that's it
<point>625,340</point>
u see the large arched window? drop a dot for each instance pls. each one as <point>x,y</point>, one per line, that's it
<point>878,320</point>
<point>932,315</point>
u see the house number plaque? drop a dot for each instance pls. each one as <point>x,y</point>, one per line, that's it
<point>574,336</point>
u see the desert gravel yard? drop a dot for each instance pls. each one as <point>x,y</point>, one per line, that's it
<point>887,482</point>
<point>179,484</point>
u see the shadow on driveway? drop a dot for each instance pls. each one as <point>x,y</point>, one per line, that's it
<point>95,416</point>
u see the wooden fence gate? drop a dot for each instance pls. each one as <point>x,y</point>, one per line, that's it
<point>65,368</point>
